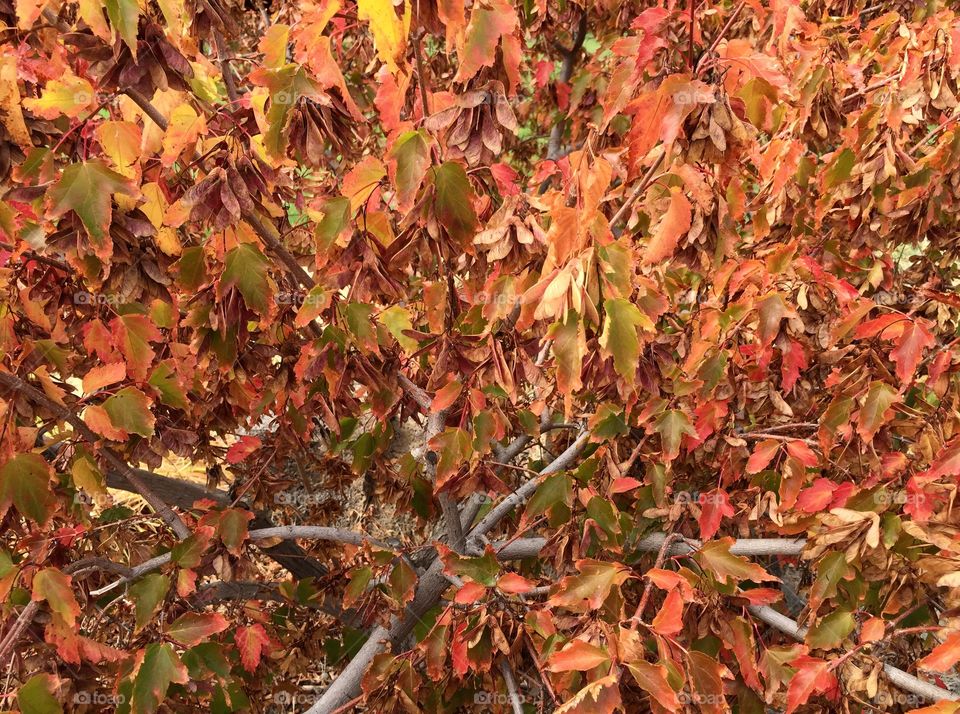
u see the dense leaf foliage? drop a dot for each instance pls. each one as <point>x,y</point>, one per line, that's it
<point>648,282</point>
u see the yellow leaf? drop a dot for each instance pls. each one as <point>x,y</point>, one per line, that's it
<point>121,143</point>
<point>91,12</point>
<point>10,112</point>
<point>389,31</point>
<point>186,127</point>
<point>69,96</point>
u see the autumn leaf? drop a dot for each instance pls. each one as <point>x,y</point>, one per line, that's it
<point>25,482</point>
<point>148,595</point>
<point>672,426</point>
<point>56,588</point>
<point>620,338</point>
<point>669,619</point>
<point>577,656</point>
<point>159,668</point>
<point>252,642</point>
<point>675,223</point>
<point>245,268</point>
<point>943,656</point>
<point>85,188</point>
<point>244,446</point>
<point>389,31</point>
<point>192,628</point>
<point>716,558</point>
<point>875,410</point>
<point>599,697</point>
<point>589,589</point>
<point>915,338</point>
<point>453,202</point>
<point>762,455</point>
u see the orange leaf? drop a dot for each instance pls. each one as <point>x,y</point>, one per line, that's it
<point>577,656</point>
<point>675,223</point>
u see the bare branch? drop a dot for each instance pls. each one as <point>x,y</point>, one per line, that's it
<point>511,683</point>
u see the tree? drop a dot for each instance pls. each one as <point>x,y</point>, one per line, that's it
<point>666,293</point>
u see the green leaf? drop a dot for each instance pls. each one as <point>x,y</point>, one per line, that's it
<point>336,219</point>
<point>36,696</point>
<point>453,202</point>
<point>831,630</point>
<point>397,319</point>
<point>245,268</point>
<point>159,668</point>
<point>553,491</point>
<point>25,480</point>
<point>164,381</point>
<point>619,337</point>
<point>410,160</point>
<point>86,189</point>
<point>147,596</point>
<point>839,171</point>
<point>125,16</point>
<point>483,570</point>
<point>129,410</point>
<point>672,425</point>
<point>233,528</point>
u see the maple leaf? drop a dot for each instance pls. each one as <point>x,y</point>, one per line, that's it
<point>577,656</point>
<point>193,627</point>
<point>86,189</point>
<point>915,338</point>
<point>672,425</point>
<point>675,223</point>
<point>716,557</point>
<point>252,642</point>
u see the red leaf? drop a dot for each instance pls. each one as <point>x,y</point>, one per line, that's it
<point>817,497</point>
<point>252,642</point>
<point>944,655</point>
<point>713,507</point>
<point>793,362</point>
<point>762,456</point>
<point>242,449</point>
<point>812,677</point>
<point>916,337</point>
<point>803,453</point>
<point>514,584</point>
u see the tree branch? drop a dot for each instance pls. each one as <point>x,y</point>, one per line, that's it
<point>898,677</point>
<point>566,71</point>
<point>17,385</point>
<point>511,683</point>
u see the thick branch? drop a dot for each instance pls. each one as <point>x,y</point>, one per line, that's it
<point>324,533</point>
<point>898,677</point>
<point>566,72</point>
